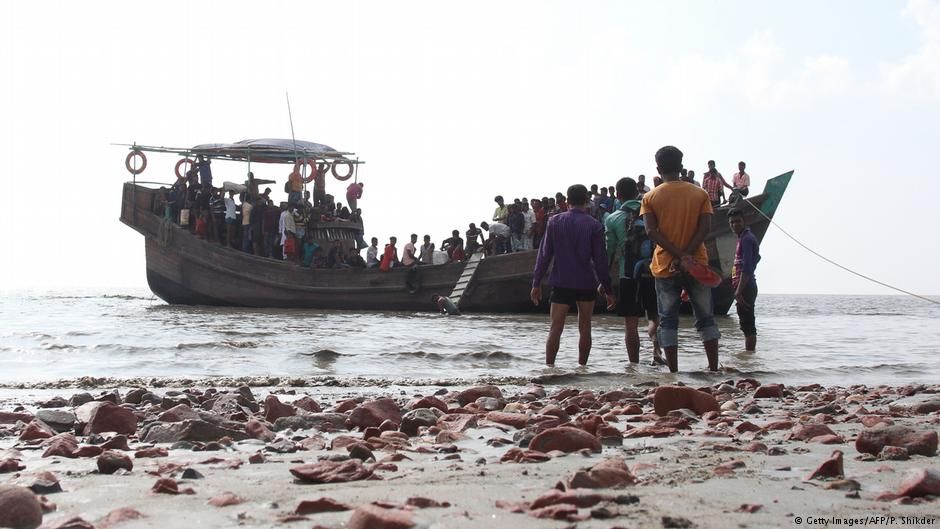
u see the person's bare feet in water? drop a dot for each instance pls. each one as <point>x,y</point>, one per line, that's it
<point>658,358</point>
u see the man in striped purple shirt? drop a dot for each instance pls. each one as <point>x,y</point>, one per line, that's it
<point>575,242</point>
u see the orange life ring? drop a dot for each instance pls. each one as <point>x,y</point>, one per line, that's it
<point>344,177</point>
<point>299,164</point>
<point>180,163</point>
<point>143,162</point>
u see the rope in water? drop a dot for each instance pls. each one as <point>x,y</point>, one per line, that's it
<point>830,261</point>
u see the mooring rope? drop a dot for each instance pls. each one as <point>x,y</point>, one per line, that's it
<point>830,261</point>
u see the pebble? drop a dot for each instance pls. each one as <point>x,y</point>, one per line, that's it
<point>19,508</point>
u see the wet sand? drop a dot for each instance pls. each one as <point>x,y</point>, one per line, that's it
<point>484,454</point>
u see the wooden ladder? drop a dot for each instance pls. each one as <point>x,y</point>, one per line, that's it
<point>466,276</point>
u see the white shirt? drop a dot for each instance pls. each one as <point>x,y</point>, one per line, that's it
<point>246,213</point>
<point>500,229</point>
<point>229,207</point>
<point>407,258</point>
<point>372,256</point>
<point>286,224</point>
<point>529,220</point>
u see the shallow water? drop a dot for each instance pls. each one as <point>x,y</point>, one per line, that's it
<point>802,339</point>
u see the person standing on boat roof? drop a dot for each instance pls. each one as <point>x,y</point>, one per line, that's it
<point>741,180</point>
<point>678,217</point>
<point>746,257</point>
<point>574,246</point>
<point>204,166</point>
<point>714,184</point>
<point>629,250</point>
<point>502,211</point>
<point>319,184</point>
<point>353,194</point>
<point>295,187</point>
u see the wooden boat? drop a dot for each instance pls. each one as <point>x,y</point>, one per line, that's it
<point>184,269</point>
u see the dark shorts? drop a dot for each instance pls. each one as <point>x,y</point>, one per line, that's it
<point>570,296</point>
<point>746,317</point>
<point>638,297</point>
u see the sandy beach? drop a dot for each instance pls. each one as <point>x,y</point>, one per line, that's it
<point>735,454</point>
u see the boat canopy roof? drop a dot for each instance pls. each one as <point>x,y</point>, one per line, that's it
<point>266,150</point>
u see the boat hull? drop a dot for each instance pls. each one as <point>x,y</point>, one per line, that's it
<point>184,269</point>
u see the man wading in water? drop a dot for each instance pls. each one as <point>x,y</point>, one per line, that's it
<point>575,241</point>
<point>746,257</point>
<point>678,216</point>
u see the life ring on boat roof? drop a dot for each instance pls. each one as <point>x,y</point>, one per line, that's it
<point>299,164</point>
<point>143,162</point>
<point>179,164</point>
<point>345,176</point>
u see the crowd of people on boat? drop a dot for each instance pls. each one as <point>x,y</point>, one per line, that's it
<point>251,221</point>
<point>256,225</point>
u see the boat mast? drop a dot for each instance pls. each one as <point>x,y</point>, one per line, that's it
<point>294,139</point>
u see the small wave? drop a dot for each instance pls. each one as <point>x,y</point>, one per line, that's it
<point>486,355</point>
<point>127,297</point>
<point>324,354</point>
<point>466,355</point>
<point>58,346</point>
<point>233,332</point>
<point>92,296</point>
<point>231,344</point>
<point>574,377</point>
<point>422,354</point>
<point>80,333</point>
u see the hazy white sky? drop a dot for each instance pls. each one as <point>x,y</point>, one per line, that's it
<point>452,103</point>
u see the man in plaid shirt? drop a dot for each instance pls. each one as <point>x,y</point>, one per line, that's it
<point>714,184</point>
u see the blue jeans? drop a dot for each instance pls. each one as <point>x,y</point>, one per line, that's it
<point>668,290</point>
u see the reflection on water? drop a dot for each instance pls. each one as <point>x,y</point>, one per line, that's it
<point>826,339</point>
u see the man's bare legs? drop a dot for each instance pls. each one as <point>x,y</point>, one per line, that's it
<point>750,343</point>
<point>585,311</point>
<point>672,358</point>
<point>631,338</point>
<point>654,338</point>
<point>558,312</point>
<point>711,352</point>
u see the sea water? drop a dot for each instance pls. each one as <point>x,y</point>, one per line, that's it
<point>46,337</point>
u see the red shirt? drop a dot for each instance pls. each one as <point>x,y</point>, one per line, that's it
<point>712,183</point>
<point>354,191</point>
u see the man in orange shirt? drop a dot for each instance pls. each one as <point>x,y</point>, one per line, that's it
<point>678,216</point>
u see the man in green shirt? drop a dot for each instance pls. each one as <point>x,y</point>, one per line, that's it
<point>630,249</point>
